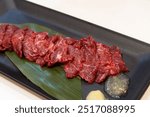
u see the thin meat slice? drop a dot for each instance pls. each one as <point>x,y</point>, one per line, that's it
<point>42,44</point>
<point>51,42</point>
<point>110,62</point>
<point>58,51</point>
<point>89,66</point>
<point>104,61</point>
<point>29,49</point>
<point>119,64</point>
<point>2,34</point>
<point>17,41</point>
<point>7,43</point>
<point>73,67</point>
<point>88,72</point>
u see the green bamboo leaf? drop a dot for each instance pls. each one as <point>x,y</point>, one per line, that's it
<point>52,80</point>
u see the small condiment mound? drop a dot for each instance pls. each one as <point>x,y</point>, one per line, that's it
<point>95,95</point>
<point>117,86</point>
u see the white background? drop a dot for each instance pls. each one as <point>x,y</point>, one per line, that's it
<point>129,17</point>
<point>9,111</point>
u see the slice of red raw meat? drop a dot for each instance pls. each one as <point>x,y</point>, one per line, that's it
<point>42,44</point>
<point>89,66</point>
<point>73,67</point>
<point>51,42</point>
<point>104,61</point>
<point>2,34</point>
<point>29,49</point>
<point>7,45</point>
<point>110,62</point>
<point>119,64</point>
<point>58,51</point>
<point>17,41</point>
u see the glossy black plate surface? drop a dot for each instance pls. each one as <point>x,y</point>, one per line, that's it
<point>135,53</point>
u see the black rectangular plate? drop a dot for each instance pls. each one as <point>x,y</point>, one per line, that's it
<point>135,53</point>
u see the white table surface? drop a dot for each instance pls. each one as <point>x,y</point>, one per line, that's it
<point>129,17</point>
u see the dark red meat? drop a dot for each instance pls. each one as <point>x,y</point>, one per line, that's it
<point>94,61</point>
<point>90,60</point>
<point>58,51</point>
<point>17,41</point>
<point>110,62</point>
<point>29,48</point>
<point>73,67</point>
<point>7,45</point>
<point>89,65</point>
<point>42,45</point>
<point>2,34</point>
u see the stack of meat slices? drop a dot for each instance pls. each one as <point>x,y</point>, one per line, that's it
<point>90,60</point>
